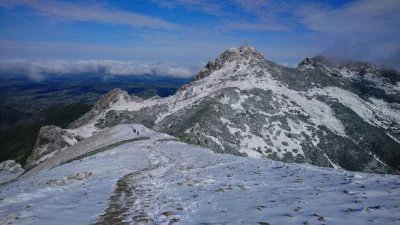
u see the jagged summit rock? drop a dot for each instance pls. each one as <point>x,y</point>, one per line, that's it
<point>245,52</point>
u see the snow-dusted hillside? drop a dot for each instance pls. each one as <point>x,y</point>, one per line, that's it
<point>323,114</point>
<point>163,181</point>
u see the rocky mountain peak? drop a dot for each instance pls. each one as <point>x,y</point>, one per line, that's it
<point>111,97</point>
<point>245,52</point>
<point>102,104</point>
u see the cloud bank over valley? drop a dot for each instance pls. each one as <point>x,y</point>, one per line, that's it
<point>37,70</point>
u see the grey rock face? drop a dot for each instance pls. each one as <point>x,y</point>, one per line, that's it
<point>51,140</point>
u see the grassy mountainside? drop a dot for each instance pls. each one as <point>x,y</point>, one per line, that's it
<point>10,116</point>
<point>61,116</point>
<point>18,139</point>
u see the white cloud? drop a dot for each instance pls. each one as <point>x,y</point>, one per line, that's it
<point>278,13</point>
<point>253,27</point>
<point>194,53</point>
<point>361,30</point>
<point>370,16</point>
<point>224,8</point>
<point>258,6</point>
<point>36,70</point>
<point>91,13</point>
<point>212,7</point>
<point>186,51</point>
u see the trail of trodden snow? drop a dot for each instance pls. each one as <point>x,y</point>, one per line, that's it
<point>160,181</point>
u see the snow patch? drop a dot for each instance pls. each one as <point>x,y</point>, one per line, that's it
<point>333,164</point>
<point>225,121</point>
<point>377,159</point>
<point>391,136</point>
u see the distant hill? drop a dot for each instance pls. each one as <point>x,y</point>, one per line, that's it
<point>10,116</point>
<point>19,130</point>
<point>32,97</point>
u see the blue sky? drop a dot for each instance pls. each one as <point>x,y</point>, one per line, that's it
<point>42,36</point>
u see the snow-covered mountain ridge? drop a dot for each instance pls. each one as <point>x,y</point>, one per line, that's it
<point>323,113</point>
<point>162,181</point>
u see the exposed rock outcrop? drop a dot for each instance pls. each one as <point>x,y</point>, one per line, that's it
<point>9,170</point>
<point>51,140</point>
<point>10,166</point>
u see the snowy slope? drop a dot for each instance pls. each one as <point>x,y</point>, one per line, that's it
<point>98,140</point>
<point>161,181</point>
